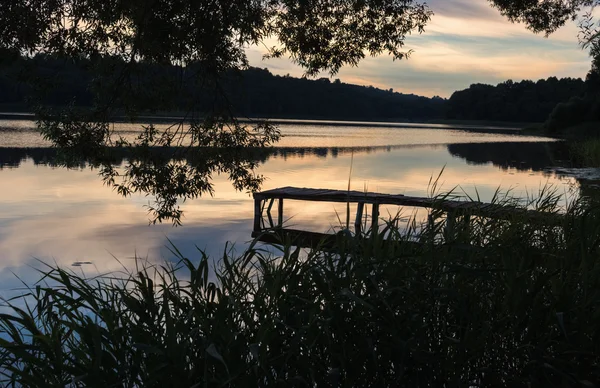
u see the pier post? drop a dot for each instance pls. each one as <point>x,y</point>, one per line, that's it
<point>375,219</point>
<point>280,213</point>
<point>358,221</point>
<point>257,214</point>
<point>450,225</point>
<point>271,224</point>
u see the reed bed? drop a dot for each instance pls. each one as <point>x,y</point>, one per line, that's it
<point>587,152</point>
<point>496,303</point>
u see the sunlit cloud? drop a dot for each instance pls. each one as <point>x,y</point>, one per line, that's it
<point>466,42</point>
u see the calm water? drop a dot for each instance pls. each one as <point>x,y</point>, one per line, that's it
<point>68,216</point>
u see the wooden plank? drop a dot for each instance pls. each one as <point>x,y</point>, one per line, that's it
<point>300,238</point>
<point>306,239</point>
<point>459,207</point>
<point>453,209</point>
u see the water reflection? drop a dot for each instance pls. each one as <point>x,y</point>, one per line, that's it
<point>522,156</point>
<point>171,175</point>
<point>24,133</point>
<point>13,157</point>
<point>548,159</point>
<point>68,215</point>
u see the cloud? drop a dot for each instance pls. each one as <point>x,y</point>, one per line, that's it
<point>466,42</point>
<point>464,9</point>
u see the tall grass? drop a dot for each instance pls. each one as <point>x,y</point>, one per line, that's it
<point>587,152</point>
<point>498,303</point>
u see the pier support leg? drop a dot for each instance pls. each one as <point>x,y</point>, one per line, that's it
<point>466,230</point>
<point>450,226</point>
<point>257,214</point>
<point>375,219</point>
<point>280,213</point>
<point>358,221</point>
<point>271,223</point>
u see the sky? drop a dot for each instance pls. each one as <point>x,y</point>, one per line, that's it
<point>466,42</point>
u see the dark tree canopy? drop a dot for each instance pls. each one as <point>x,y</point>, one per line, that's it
<point>187,48</point>
<point>525,101</point>
<point>542,15</point>
<point>253,92</point>
<point>318,35</point>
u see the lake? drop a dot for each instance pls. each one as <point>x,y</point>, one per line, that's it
<point>68,216</point>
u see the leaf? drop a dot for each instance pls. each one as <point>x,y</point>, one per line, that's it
<point>254,350</point>
<point>213,352</point>
<point>147,348</point>
<point>346,292</point>
<point>561,323</point>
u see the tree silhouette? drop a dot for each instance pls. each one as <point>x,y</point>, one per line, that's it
<point>547,16</point>
<point>524,101</point>
<point>542,16</point>
<point>186,47</point>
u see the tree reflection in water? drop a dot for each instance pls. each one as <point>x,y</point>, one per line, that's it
<point>170,175</point>
<point>169,165</point>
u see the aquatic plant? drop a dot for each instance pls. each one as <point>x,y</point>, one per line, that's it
<point>587,152</point>
<point>495,303</point>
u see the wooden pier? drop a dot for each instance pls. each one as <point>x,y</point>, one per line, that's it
<point>265,228</point>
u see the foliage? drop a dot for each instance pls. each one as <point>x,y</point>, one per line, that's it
<point>516,306</point>
<point>542,16</point>
<point>318,35</point>
<point>524,101</point>
<point>584,108</point>
<point>570,113</point>
<point>547,16</point>
<point>203,41</point>
<point>173,55</point>
<point>587,152</point>
<point>251,92</point>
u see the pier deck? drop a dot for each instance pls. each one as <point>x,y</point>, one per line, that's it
<point>452,208</point>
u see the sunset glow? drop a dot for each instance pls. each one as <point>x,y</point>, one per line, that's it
<point>466,42</point>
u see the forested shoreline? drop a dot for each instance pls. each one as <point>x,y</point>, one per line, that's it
<point>525,101</point>
<point>256,92</point>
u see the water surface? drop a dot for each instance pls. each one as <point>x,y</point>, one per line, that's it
<point>69,216</point>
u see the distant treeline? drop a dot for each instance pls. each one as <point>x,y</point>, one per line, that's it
<point>254,92</point>
<point>258,93</point>
<point>524,101</point>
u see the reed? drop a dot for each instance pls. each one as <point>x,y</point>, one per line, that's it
<point>498,303</point>
<point>587,152</point>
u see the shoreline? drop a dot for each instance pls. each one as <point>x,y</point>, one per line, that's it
<point>475,126</point>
